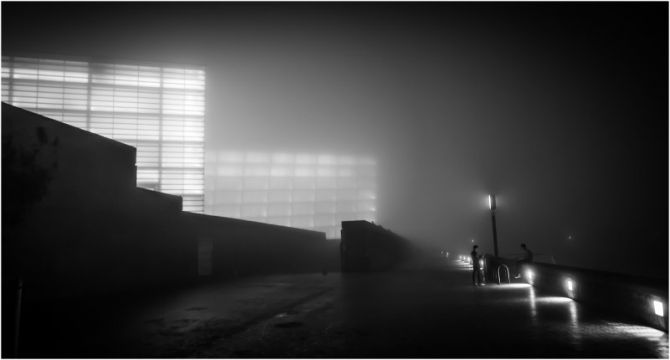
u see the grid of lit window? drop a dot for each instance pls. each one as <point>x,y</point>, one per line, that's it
<point>308,191</point>
<point>157,109</point>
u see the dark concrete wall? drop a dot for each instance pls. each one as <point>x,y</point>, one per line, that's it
<point>74,222</point>
<point>238,247</point>
<point>624,295</point>
<point>370,247</point>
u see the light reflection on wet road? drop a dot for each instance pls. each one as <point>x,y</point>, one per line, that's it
<point>427,311</point>
<point>437,313</point>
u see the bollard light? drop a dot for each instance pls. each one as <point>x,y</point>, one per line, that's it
<point>530,275</point>
<point>569,285</point>
<point>658,308</point>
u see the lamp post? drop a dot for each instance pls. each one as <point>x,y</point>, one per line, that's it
<point>492,208</point>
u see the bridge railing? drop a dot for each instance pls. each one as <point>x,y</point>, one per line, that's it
<point>640,299</point>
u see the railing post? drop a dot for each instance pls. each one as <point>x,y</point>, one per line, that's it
<point>509,281</point>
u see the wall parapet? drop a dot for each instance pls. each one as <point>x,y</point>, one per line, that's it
<point>640,299</point>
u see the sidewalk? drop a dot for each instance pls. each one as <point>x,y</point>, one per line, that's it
<point>433,311</point>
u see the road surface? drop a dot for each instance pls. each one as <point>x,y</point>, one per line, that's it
<point>430,310</point>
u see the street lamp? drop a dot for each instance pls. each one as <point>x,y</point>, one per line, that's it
<point>492,208</point>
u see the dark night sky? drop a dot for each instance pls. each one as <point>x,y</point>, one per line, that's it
<point>559,108</point>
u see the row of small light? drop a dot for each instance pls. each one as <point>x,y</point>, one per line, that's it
<point>657,305</point>
<point>468,260</point>
<point>570,286</point>
<point>465,259</point>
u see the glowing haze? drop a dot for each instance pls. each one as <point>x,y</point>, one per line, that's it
<point>560,110</point>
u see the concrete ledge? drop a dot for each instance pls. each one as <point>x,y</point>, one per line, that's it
<point>633,297</point>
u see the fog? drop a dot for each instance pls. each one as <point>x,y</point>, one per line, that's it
<point>558,109</point>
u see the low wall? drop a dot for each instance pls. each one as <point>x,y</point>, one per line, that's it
<point>232,247</point>
<point>632,297</point>
<point>370,247</point>
<point>74,223</point>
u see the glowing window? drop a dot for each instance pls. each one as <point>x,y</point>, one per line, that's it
<point>157,109</point>
<point>312,191</point>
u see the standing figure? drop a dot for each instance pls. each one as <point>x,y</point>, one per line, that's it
<point>476,269</point>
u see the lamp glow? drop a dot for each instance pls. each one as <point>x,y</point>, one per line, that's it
<point>492,209</point>
<point>569,285</point>
<point>529,275</point>
<point>492,202</point>
<point>658,308</point>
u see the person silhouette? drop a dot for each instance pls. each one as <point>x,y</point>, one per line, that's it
<point>476,269</point>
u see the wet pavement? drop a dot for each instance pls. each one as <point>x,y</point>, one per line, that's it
<point>422,311</point>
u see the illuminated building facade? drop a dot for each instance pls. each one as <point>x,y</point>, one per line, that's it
<point>307,191</point>
<point>158,109</point>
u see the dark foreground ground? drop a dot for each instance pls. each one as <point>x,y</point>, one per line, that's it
<point>430,310</point>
